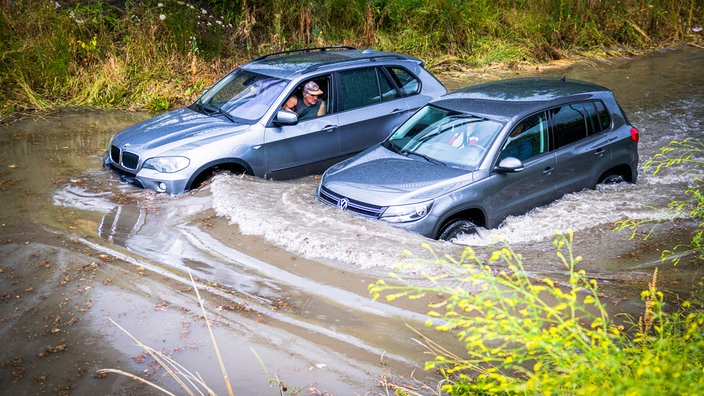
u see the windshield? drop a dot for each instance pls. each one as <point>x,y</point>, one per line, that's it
<point>445,136</point>
<point>242,96</point>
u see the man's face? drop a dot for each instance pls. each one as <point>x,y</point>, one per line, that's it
<point>309,99</point>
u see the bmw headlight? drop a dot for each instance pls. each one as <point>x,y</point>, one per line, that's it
<point>406,213</point>
<point>166,164</point>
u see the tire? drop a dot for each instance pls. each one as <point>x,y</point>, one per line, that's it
<point>456,228</point>
<point>613,178</point>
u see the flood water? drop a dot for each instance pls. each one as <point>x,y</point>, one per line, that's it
<point>283,278</point>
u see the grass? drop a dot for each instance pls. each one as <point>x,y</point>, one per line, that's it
<point>160,55</point>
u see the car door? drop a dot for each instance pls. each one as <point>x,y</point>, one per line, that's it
<point>582,151</point>
<point>308,147</point>
<point>369,107</point>
<point>518,192</point>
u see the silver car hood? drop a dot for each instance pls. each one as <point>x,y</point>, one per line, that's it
<point>176,128</point>
<point>381,177</point>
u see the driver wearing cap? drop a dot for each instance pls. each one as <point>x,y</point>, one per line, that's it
<point>309,104</point>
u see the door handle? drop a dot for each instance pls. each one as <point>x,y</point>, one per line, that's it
<point>547,171</point>
<point>600,152</point>
<point>398,111</point>
<point>328,128</point>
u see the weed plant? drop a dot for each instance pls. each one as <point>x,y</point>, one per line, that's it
<point>527,336</point>
<point>158,55</point>
<point>690,152</point>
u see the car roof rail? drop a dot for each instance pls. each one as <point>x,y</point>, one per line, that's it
<point>371,58</point>
<point>321,49</point>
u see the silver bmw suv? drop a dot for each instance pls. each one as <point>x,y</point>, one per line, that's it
<point>280,116</point>
<point>475,156</point>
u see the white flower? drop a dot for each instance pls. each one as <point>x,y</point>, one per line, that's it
<point>57,5</point>
<point>203,11</point>
<point>160,5</point>
<point>162,17</point>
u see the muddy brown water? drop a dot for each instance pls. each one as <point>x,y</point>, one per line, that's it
<point>284,279</point>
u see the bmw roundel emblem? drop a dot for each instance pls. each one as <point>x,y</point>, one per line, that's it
<point>343,204</point>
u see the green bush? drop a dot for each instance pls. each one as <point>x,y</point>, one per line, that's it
<point>526,336</point>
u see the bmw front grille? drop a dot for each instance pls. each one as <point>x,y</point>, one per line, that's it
<point>125,158</point>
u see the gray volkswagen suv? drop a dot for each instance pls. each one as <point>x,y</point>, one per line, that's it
<point>280,116</point>
<point>477,155</point>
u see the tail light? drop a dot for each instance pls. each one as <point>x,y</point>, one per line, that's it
<point>635,135</point>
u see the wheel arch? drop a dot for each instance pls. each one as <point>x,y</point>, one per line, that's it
<point>206,171</point>
<point>623,170</point>
<point>475,215</point>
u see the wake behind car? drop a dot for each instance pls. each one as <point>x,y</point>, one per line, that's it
<point>477,155</point>
<point>280,116</point>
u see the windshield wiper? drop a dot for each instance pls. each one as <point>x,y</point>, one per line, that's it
<point>392,146</point>
<point>197,106</point>
<point>425,157</point>
<point>219,110</point>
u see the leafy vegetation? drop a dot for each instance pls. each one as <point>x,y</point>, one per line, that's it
<point>539,337</point>
<point>157,55</point>
<point>688,151</point>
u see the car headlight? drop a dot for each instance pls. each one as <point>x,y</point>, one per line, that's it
<point>166,164</point>
<point>406,213</point>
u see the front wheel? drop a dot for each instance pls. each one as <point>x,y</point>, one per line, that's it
<point>456,228</point>
<point>612,178</point>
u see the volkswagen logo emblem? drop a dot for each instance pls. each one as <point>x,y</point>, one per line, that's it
<point>343,204</point>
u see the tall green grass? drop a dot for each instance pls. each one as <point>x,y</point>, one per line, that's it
<point>155,54</point>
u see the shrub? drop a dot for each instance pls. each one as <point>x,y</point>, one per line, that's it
<point>691,152</point>
<point>537,336</point>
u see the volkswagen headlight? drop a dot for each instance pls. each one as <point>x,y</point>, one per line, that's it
<point>166,164</point>
<point>406,213</point>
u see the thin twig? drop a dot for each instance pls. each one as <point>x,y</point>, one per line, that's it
<point>212,338</point>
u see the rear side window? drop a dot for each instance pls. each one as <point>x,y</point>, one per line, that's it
<point>569,124</point>
<point>579,120</point>
<point>604,116</point>
<point>597,117</point>
<point>409,84</point>
<point>388,92</point>
<point>363,87</point>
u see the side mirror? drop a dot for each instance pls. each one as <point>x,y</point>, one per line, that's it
<point>284,117</point>
<point>510,165</point>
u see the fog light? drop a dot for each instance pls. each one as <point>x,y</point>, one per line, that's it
<point>162,186</point>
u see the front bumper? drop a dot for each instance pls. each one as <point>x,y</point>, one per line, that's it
<point>151,180</point>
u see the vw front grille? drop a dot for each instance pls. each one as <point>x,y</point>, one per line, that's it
<point>343,203</point>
